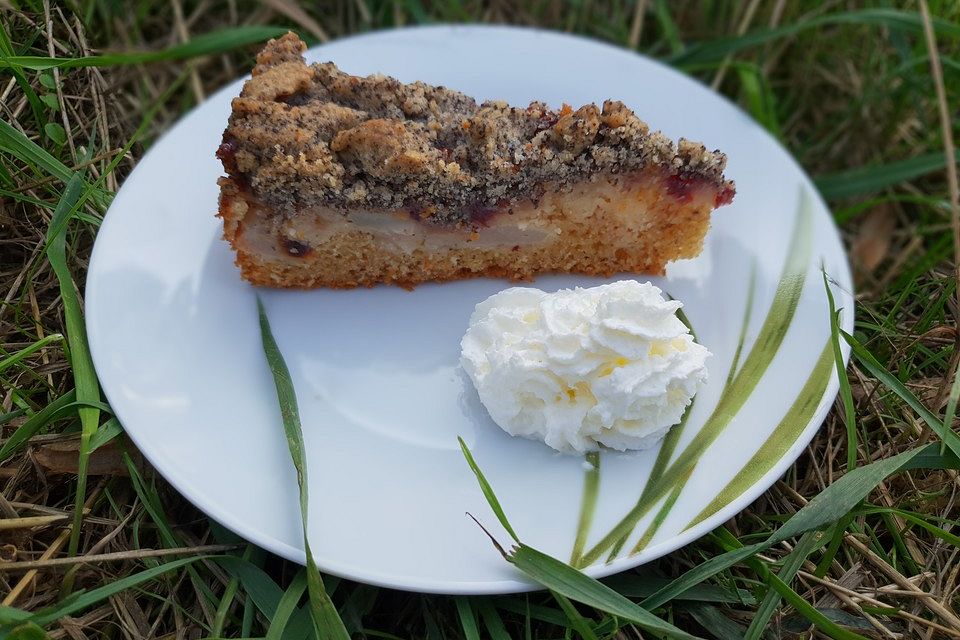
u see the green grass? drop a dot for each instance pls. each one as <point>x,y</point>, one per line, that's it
<point>858,539</point>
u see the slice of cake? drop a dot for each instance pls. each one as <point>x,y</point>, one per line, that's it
<point>340,181</point>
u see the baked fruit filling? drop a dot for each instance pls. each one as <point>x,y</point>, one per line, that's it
<point>340,181</point>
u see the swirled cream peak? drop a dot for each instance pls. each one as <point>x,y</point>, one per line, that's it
<point>611,365</point>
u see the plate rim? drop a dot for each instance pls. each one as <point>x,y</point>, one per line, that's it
<point>485,587</point>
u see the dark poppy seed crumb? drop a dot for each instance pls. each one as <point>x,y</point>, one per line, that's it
<point>313,135</point>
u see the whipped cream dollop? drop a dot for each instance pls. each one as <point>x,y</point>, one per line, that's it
<point>611,365</point>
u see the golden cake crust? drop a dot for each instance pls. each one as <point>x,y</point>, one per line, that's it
<point>303,135</point>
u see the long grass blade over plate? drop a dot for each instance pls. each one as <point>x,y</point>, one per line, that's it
<point>765,347</point>
<point>326,620</point>
<point>562,578</point>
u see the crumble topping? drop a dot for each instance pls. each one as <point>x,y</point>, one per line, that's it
<point>304,135</point>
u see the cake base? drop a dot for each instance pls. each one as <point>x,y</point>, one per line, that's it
<point>633,223</point>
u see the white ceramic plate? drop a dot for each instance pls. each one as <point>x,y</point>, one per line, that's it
<point>175,341</point>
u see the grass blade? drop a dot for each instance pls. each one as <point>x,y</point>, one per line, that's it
<point>846,395</point>
<point>14,358</point>
<point>660,516</point>
<point>9,615</point>
<point>863,180</point>
<point>564,579</point>
<point>85,378</point>
<point>522,606</point>
<point>300,625</point>
<point>226,602</point>
<point>107,432</point>
<point>326,620</point>
<point>642,586</point>
<point>788,571</point>
<point>808,611</point>
<point>768,341</point>
<point>942,534</point>
<point>577,621</point>
<point>567,581</point>
<point>877,370</point>
<point>663,459</point>
<point>492,621</point>
<point>668,26</point>
<point>779,588</point>
<point>833,547</point>
<point>26,150</point>
<point>36,105</point>
<point>83,599</point>
<point>35,423</point>
<point>717,49</point>
<point>760,100</point>
<point>673,437</point>
<point>842,215</point>
<point>287,605</point>
<point>744,325</point>
<point>830,505</point>
<point>206,44</point>
<point>798,416</point>
<point>487,491</point>
<point>720,626</point>
<point>260,588</point>
<point>700,573</point>
<point>950,411</point>
<point>467,619</point>
<point>843,495</point>
<point>7,416</point>
<point>659,465</point>
<point>588,504</point>
<point>28,631</point>
<point>153,504</point>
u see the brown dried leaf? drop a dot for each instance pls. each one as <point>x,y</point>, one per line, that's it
<point>872,242</point>
<point>939,335</point>
<point>58,458</point>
